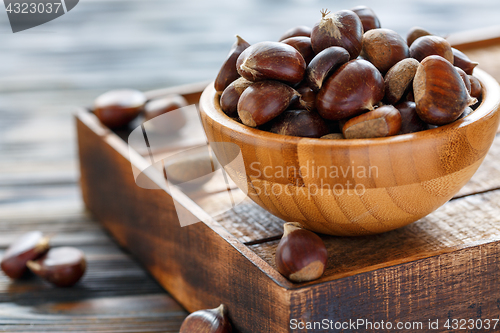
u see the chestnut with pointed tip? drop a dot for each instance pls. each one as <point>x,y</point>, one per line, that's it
<point>368,17</point>
<point>342,28</point>
<point>117,108</point>
<point>384,48</point>
<point>298,31</point>
<point>271,61</point>
<point>263,101</point>
<point>354,88</point>
<point>301,255</point>
<point>207,321</point>
<point>62,266</point>
<point>410,121</point>
<point>305,100</point>
<point>228,72</point>
<point>381,122</point>
<point>303,45</point>
<point>425,46</point>
<point>323,64</point>
<point>399,78</point>
<point>302,123</point>
<point>440,93</point>
<point>461,60</point>
<point>231,95</point>
<point>29,246</point>
<point>415,33</point>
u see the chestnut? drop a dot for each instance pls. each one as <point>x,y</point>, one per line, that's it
<point>62,266</point>
<point>306,99</point>
<point>231,95</point>
<point>384,48</point>
<point>29,246</point>
<point>425,46</point>
<point>301,30</point>
<point>302,123</point>
<point>399,78</point>
<point>352,89</point>
<point>303,45</point>
<point>271,61</point>
<point>440,92</point>
<point>465,78</point>
<point>333,136</point>
<point>368,17</point>
<point>207,321</point>
<point>324,63</point>
<point>228,72</point>
<point>410,121</point>
<point>381,122</point>
<point>263,101</point>
<point>463,61</point>
<point>301,255</point>
<point>476,89</point>
<point>159,106</point>
<point>415,33</point>
<point>342,28</point>
<point>117,108</point>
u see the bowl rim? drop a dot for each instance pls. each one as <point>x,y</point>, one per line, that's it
<point>210,105</point>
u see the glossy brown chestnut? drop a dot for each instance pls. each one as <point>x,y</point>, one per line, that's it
<point>117,108</point>
<point>29,246</point>
<point>323,64</point>
<point>263,101</point>
<point>463,61</point>
<point>425,46</point>
<point>384,48</point>
<point>302,123</point>
<point>301,255</point>
<point>352,89</point>
<point>301,30</point>
<point>410,121</point>
<point>303,45</point>
<point>476,89</point>
<point>228,72</point>
<point>62,266</point>
<point>399,78</point>
<point>440,93</point>
<point>207,321</point>
<point>231,95</point>
<point>368,17</point>
<point>465,78</point>
<point>415,33</point>
<point>381,122</point>
<point>342,28</point>
<point>271,61</point>
<point>159,106</point>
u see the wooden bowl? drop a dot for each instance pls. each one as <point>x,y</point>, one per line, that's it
<point>358,186</point>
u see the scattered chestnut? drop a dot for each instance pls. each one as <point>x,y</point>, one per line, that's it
<point>29,246</point>
<point>159,106</point>
<point>384,48</point>
<point>368,17</point>
<point>62,266</point>
<point>463,61</point>
<point>117,108</point>
<point>231,95</point>
<point>303,45</point>
<point>425,46</point>
<point>440,93</point>
<point>415,33</point>
<point>301,255</point>
<point>476,89</point>
<point>301,30</point>
<point>263,101</point>
<point>207,321</point>
<point>271,61</point>
<point>228,72</point>
<point>333,136</point>
<point>342,28</point>
<point>381,122</point>
<point>410,121</point>
<point>465,78</point>
<point>302,123</point>
<point>324,63</point>
<point>399,78</point>
<point>353,88</point>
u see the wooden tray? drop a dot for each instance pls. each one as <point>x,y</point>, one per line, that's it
<point>442,267</point>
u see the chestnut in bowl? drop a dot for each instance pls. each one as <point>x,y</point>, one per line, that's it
<point>358,186</point>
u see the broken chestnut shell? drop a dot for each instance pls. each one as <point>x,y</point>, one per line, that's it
<point>207,321</point>
<point>384,48</point>
<point>324,63</point>
<point>381,122</point>
<point>302,123</point>
<point>228,72</point>
<point>29,246</point>
<point>399,78</point>
<point>62,266</point>
<point>368,17</point>
<point>425,46</point>
<point>117,108</point>
<point>303,45</point>
<point>461,60</point>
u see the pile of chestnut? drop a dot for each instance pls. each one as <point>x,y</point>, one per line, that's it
<point>347,78</point>
<point>61,266</point>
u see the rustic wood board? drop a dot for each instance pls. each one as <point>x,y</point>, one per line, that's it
<point>443,266</point>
